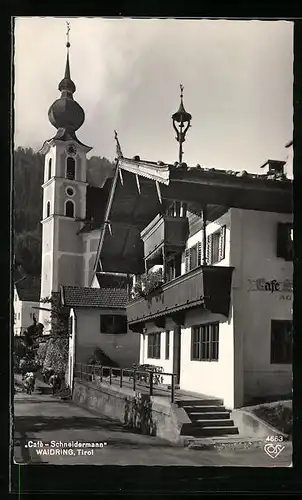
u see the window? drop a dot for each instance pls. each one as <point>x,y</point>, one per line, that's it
<point>30,315</point>
<point>205,342</point>
<point>18,315</point>
<point>285,244</point>
<point>49,168</point>
<point>113,324</point>
<point>48,209</point>
<point>216,246</point>
<point>70,191</point>
<point>281,341</point>
<point>69,209</point>
<point>167,353</point>
<point>15,317</point>
<point>193,257</point>
<point>154,345</point>
<point>70,171</point>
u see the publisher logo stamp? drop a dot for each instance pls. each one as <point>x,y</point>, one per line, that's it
<point>273,450</point>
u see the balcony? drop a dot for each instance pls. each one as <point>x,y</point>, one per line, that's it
<point>168,232</point>
<point>208,287</point>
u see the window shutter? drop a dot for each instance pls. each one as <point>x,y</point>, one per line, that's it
<point>190,257</point>
<point>282,238</point>
<point>222,243</point>
<point>209,249</point>
<point>187,260</point>
<point>199,253</point>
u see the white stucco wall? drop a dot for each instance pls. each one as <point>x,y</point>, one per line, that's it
<point>211,228</point>
<point>213,378</point>
<point>71,350</point>
<point>256,258</point>
<point>243,369</point>
<point>23,314</point>
<point>122,348</point>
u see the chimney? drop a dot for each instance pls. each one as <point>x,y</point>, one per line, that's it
<point>274,166</point>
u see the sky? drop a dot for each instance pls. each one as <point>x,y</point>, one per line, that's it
<point>237,78</point>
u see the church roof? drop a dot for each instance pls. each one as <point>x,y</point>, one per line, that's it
<point>29,288</point>
<point>99,298</point>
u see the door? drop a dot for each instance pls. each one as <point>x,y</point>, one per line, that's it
<point>176,352</point>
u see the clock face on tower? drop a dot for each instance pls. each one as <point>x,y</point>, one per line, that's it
<point>71,150</point>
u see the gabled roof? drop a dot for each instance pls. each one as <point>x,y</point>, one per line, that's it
<point>142,185</point>
<point>29,289</point>
<point>91,298</point>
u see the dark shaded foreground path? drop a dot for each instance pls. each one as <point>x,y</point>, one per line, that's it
<point>44,418</point>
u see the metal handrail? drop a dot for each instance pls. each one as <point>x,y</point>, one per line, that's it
<point>81,372</point>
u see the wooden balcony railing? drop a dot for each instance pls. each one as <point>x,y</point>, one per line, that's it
<point>207,286</point>
<point>165,230</point>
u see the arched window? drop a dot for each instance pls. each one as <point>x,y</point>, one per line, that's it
<point>48,209</point>
<point>69,209</point>
<point>70,170</point>
<point>49,168</point>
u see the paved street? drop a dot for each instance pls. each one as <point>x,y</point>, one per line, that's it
<point>45,418</point>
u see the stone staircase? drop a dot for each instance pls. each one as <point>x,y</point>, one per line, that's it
<point>209,418</point>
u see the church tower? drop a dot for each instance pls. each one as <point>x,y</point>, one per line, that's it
<point>64,195</point>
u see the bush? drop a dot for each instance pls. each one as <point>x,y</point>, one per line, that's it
<point>41,354</point>
<point>56,355</point>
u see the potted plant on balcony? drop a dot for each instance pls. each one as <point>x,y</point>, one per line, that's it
<point>149,283</point>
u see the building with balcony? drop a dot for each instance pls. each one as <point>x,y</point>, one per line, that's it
<point>211,252</point>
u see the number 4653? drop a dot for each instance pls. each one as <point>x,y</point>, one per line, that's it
<point>274,439</point>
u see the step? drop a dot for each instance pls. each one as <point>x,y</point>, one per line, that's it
<point>203,408</point>
<point>188,428</point>
<point>210,415</point>
<point>199,402</point>
<point>209,431</point>
<point>213,423</point>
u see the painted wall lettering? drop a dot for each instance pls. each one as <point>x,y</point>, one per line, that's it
<point>263,285</point>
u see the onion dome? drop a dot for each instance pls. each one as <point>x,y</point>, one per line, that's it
<point>65,113</point>
<point>181,116</point>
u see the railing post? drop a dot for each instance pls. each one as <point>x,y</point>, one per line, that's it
<point>101,373</point>
<point>110,375</point>
<point>80,371</point>
<point>151,383</point>
<point>121,377</point>
<point>93,374</point>
<point>134,380</point>
<point>173,389</point>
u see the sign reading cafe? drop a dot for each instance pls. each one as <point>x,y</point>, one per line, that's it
<point>271,286</point>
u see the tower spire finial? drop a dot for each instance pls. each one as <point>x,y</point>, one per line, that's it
<point>184,120</point>
<point>181,91</point>
<point>67,35</point>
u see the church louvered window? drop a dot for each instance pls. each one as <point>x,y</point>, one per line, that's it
<point>69,209</point>
<point>70,171</point>
<point>48,209</point>
<point>49,168</point>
